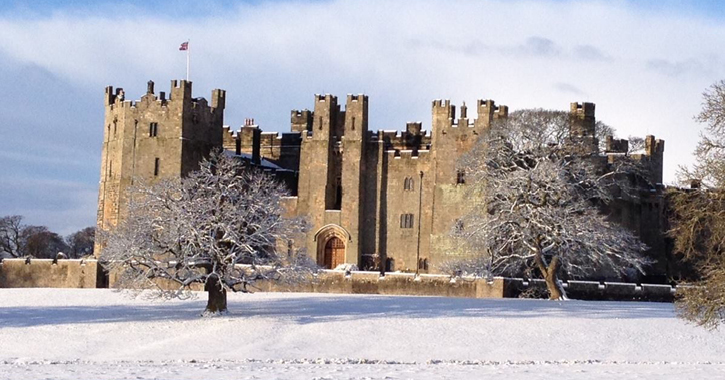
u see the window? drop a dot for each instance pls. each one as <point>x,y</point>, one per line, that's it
<point>408,184</point>
<point>156,166</point>
<point>461,177</point>
<point>153,129</point>
<point>338,194</point>
<point>422,264</point>
<point>406,221</point>
<point>353,123</point>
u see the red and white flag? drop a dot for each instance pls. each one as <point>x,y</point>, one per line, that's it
<point>184,46</point>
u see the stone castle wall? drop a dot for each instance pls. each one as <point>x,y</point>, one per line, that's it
<point>353,185</point>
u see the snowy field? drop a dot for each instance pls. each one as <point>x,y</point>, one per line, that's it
<point>101,334</point>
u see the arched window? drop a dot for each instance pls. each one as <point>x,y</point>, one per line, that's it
<point>408,184</point>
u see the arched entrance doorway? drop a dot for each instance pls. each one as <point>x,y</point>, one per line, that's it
<point>334,253</point>
<point>332,241</point>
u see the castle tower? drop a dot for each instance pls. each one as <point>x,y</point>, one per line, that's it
<point>318,185</point>
<point>352,194</point>
<point>583,127</point>
<point>452,138</point>
<point>153,138</point>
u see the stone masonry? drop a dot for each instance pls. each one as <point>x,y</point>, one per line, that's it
<point>382,200</point>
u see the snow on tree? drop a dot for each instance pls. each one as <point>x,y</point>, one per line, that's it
<point>698,216</point>
<point>222,226</point>
<point>538,194</point>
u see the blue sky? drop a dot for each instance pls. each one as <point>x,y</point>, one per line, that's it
<point>644,63</point>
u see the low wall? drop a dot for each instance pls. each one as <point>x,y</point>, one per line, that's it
<point>600,291</point>
<point>392,284</point>
<point>43,273</point>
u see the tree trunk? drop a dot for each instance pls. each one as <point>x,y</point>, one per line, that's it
<point>217,302</point>
<point>552,284</point>
<point>549,273</point>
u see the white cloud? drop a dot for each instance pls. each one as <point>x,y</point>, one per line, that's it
<point>645,70</point>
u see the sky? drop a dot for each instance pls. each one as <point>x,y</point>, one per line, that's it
<point>644,63</point>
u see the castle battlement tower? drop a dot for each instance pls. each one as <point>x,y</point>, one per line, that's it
<point>151,138</point>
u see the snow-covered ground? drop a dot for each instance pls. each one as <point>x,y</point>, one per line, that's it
<point>101,334</point>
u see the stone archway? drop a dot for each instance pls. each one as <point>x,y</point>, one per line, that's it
<point>331,246</point>
<point>334,253</point>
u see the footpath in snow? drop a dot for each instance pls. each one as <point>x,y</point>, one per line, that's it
<point>102,334</point>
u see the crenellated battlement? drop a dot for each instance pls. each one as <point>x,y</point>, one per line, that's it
<point>362,98</point>
<point>583,120</point>
<point>407,154</point>
<point>413,138</point>
<point>180,90</point>
<point>443,109</point>
<point>445,122</point>
<point>653,147</point>
<point>582,110</point>
<point>613,145</point>
<point>301,120</point>
<point>319,98</point>
<point>652,155</point>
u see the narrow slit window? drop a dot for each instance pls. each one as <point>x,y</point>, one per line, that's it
<point>156,166</point>
<point>153,129</point>
<point>461,177</point>
<point>406,221</point>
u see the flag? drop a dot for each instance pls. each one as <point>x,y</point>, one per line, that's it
<point>184,46</point>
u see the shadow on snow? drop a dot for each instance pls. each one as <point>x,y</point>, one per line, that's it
<point>305,309</point>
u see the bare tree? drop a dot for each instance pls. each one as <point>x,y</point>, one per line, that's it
<point>80,243</point>
<point>222,226</point>
<point>537,210</point>
<point>698,216</point>
<point>11,235</point>
<point>636,144</point>
<point>542,127</point>
<point>18,239</point>
<point>42,243</point>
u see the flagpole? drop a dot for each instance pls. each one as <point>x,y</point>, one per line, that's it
<point>188,48</point>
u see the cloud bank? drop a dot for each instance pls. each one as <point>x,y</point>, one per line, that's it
<point>645,69</point>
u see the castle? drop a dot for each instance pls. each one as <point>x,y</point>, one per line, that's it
<point>378,199</point>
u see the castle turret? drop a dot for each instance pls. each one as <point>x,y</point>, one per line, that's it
<point>583,127</point>
<point>351,195</point>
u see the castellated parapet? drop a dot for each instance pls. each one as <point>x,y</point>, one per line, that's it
<point>381,199</point>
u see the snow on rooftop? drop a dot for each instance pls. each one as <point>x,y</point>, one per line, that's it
<point>264,163</point>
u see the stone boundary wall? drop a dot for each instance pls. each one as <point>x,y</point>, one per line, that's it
<point>329,281</point>
<point>600,291</point>
<point>42,273</point>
